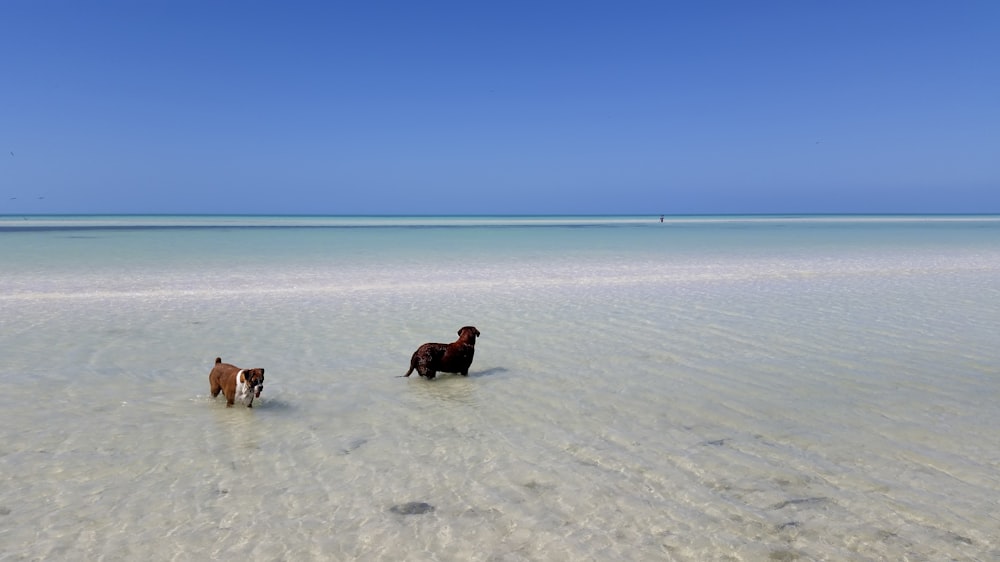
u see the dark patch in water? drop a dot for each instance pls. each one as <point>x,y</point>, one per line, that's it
<point>536,486</point>
<point>789,525</point>
<point>799,501</point>
<point>959,538</point>
<point>4,511</point>
<point>884,535</point>
<point>412,508</point>
<point>784,555</point>
<point>488,372</point>
<point>353,445</point>
<point>716,443</point>
<point>272,404</point>
<point>473,512</point>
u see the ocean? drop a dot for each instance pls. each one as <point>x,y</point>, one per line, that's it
<point>702,388</point>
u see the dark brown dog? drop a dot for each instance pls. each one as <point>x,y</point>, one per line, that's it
<point>234,382</point>
<point>455,357</point>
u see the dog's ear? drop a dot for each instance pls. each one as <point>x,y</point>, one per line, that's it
<point>262,372</point>
<point>477,333</point>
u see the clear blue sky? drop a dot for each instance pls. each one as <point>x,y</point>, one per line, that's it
<point>157,106</point>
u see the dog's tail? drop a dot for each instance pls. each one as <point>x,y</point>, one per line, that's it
<point>413,365</point>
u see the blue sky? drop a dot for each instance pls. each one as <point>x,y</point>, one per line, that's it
<point>155,106</point>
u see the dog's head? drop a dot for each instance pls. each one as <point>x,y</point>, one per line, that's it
<point>255,380</point>
<point>468,334</point>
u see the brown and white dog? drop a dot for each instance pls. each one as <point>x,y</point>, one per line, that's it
<point>234,382</point>
<point>455,357</point>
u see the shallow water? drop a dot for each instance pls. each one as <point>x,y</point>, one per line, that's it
<point>754,389</point>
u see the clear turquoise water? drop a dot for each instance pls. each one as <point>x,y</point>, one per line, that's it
<point>709,387</point>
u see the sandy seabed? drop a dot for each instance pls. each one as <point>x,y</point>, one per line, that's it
<point>618,409</point>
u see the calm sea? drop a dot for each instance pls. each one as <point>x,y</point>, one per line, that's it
<point>705,388</point>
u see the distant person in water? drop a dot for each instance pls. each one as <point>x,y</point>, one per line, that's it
<point>661,218</point>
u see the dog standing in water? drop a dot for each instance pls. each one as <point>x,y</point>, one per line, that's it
<point>234,382</point>
<point>455,357</point>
